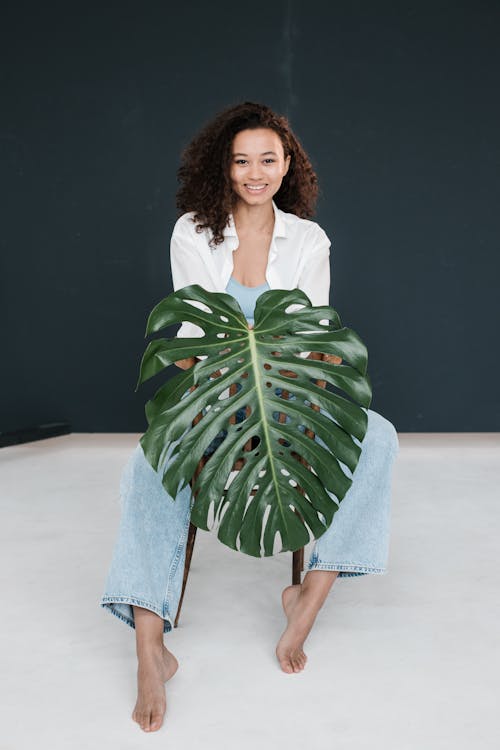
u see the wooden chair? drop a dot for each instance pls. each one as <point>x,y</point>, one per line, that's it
<point>297,555</point>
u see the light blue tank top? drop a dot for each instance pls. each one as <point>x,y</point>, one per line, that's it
<point>246,296</point>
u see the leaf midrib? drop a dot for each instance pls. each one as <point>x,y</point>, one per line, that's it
<point>257,380</point>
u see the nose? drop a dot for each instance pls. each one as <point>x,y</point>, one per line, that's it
<point>255,173</point>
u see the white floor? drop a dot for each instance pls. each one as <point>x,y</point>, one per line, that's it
<point>405,661</point>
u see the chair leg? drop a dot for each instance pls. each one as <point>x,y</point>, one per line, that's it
<point>190,540</point>
<point>298,554</point>
<point>297,565</point>
<point>187,563</point>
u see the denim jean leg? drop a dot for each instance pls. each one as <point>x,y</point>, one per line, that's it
<point>147,563</point>
<point>357,540</point>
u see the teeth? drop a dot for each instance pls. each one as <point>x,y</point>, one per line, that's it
<point>256,187</point>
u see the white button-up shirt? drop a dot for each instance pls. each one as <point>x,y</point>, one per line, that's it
<point>299,257</point>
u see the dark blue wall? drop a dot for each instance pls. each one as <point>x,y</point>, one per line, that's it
<point>397,104</point>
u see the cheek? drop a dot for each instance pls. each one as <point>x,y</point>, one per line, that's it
<point>235,175</point>
<point>278,171</point>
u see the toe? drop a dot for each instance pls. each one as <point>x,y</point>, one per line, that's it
<point>284,661</point>
<point>286,666</point>
<point>156,721</point>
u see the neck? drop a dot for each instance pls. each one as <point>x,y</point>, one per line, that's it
<point>259,218</point>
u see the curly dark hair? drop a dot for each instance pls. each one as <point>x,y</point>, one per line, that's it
<point>205,163</point>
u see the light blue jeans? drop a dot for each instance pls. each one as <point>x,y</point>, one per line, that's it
<point>147,563</point>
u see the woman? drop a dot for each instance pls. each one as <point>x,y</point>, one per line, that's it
<point>247,188</point>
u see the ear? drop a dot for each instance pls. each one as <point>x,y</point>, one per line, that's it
<point>287,164</point>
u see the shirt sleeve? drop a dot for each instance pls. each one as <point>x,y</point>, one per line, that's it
<point>185,261</point>
<point>314,278</point>
<point>187,267</point>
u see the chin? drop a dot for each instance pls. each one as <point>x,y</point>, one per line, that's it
<point>252,199</point>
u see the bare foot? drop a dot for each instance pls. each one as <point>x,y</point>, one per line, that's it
<point>301,615</point>
<point>156,666</point>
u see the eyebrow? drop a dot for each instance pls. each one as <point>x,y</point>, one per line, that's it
<point>262,154</point>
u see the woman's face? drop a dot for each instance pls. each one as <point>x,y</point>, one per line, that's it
<point>258,165</point>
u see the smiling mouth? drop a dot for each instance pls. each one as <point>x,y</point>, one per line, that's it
<point>256,188</point>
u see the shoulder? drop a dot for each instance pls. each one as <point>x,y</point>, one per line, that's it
<point>306,232</point>
<point>185,224</point>
<point>184,235</point>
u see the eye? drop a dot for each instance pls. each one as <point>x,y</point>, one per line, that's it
<point>238,161</point>
<point>269,159</point>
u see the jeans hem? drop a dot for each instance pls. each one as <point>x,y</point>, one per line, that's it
<point>347,570</point>
<point>108,601</point>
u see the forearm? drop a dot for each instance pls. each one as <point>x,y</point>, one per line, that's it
<point>332,358</point>
<point>185,364</point>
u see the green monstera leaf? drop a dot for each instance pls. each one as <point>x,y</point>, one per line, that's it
<point>296,444</point>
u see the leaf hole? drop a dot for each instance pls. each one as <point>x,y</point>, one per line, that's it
<point>211,515</point>
<point>198,305</point>
<point>281,417</point>
<point>223,317</point>
<point>294,306</point>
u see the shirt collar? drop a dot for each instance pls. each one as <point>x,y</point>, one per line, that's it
<point>279,229</point>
